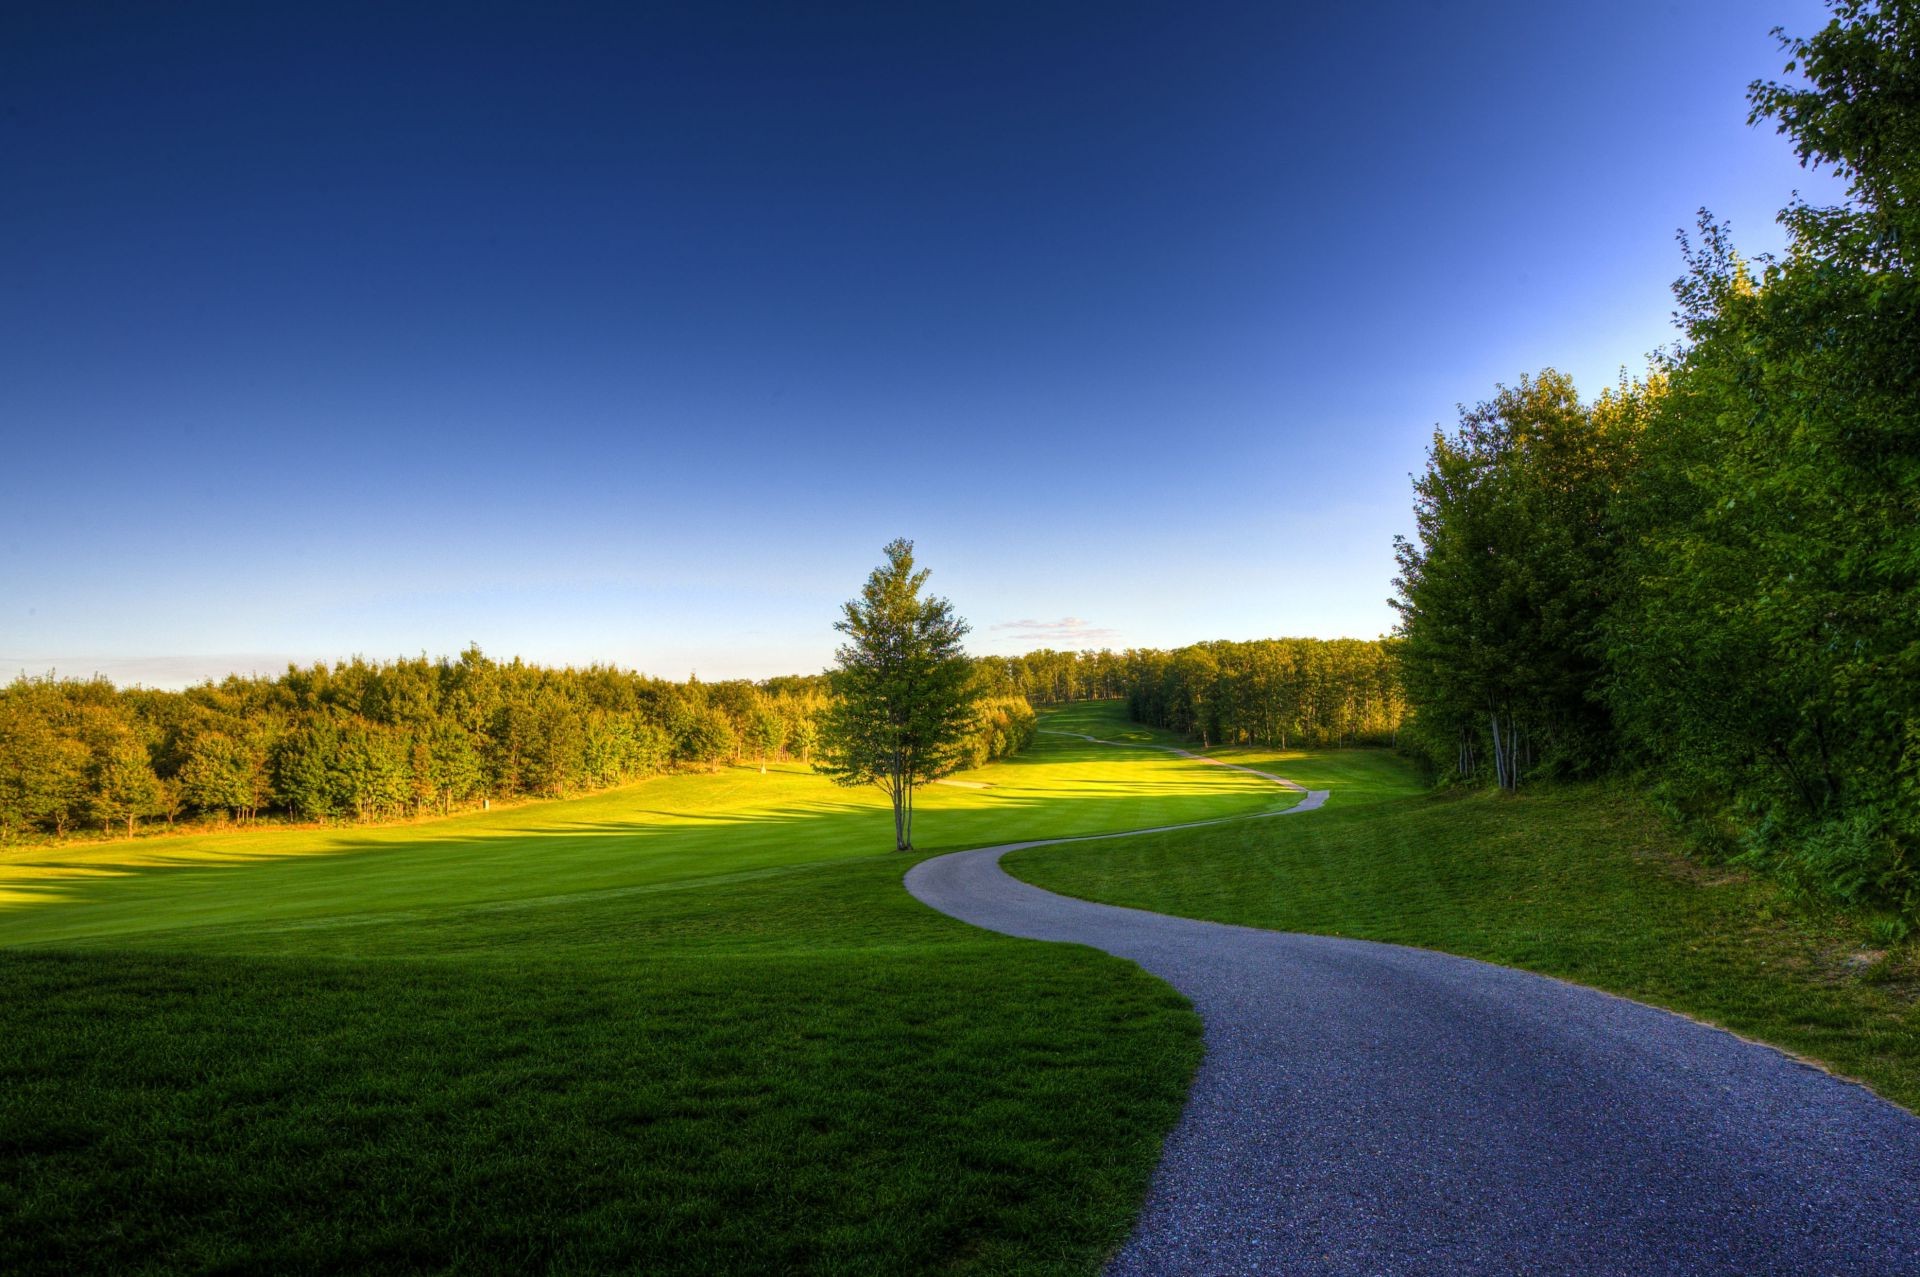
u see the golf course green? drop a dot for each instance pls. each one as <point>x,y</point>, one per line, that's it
<point>692,1024</point>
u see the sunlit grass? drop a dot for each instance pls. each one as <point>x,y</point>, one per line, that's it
<point>1354,777</point>
<point>661,830</point>
<point>693,1025</point>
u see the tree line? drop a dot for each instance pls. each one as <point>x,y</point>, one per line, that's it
<point>1712,574</point>
<point>1048,677</point>
<point>364,741</point>
<point>1313,693</point>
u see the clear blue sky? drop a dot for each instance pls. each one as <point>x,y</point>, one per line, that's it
<point>631,335</point>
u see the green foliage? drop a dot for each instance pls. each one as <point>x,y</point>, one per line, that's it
<point>706,738</point>
<point>1048,677</point>
<point>1502,592</point>
<point>447,768</point>
<point>766,730</point>
<point>1726,560</point>
<point>371,741</point>
<point>906,692</point>
<point>121,786</point>
<point>804,737</point>
<point>1002,725</point>
<point>1767,647</point>
<point>368,774</point>
<point>1311,692</point>
<point>217,775</point>
<point>1855,109</point>
<point>42,773</point>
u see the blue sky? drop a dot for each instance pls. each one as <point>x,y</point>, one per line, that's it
<point>631,334</point>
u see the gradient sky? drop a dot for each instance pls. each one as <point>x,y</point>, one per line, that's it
<point>631,334</point>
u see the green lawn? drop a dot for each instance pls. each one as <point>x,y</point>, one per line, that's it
<point>1357,777</point>
<point>690,1025</point>
<point>1581,882</point>
<point>661,832</point>
<point>697,1025</point>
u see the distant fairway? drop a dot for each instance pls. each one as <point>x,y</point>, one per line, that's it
<point>668,832</point>
<point>691,1024</point>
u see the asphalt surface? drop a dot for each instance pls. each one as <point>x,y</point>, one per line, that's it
<point>1364,1108</point>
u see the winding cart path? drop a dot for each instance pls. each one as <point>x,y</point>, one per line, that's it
<point>1364,1108</point>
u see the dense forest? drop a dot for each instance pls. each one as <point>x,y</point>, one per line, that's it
<point>363,740</point>
<point>1284,692</point>
<point>1712,575</point>
<point>1050,677</point>
<point>371,740</point>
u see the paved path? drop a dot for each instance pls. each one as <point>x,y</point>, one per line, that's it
<point>1369,1109</point>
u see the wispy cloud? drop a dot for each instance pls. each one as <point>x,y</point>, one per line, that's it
<point>1067,632</point>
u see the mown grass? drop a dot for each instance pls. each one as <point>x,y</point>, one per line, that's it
<point>689,1026</point>
<point>669,829</point>
<point>1582,882</point>
<point>1359,775</point>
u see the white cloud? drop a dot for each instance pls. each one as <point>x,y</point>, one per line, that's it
<point>1067,632</point>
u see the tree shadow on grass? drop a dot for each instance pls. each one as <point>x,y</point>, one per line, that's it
<point>116,887</point>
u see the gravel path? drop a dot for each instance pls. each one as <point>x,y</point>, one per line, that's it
<point>1370,1109</point>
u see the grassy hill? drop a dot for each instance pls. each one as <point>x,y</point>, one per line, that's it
<point>691,1025</point>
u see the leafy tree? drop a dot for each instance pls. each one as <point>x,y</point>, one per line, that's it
<point>1315,692</point>
<point>707,737</point>
<point>905,688</point>
<point>1858,110</point>
<point>767,731</point>
<point>301,763</point>
<point>509,738</point>
<point>804,737</point>
<point>121,784</point>
<point>455,771</point>
<point>217,775</point>
<point>1003,725</point>
<point>1764,649</point>
<point>368,771</point>
<point>556,750</point>
<point>42,772</point>
<point>1503,591</point>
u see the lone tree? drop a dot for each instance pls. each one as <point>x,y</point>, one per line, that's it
<point>904,689</point>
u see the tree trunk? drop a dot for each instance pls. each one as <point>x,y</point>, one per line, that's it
<point>1506,752</point>
<point>1499,750</point>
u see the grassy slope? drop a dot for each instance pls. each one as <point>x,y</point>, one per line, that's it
<point>1584,883</point>
<point>682,1026</point>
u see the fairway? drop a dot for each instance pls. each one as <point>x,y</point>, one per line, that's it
<point>670,832</point>
<point>691,1024</point>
